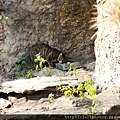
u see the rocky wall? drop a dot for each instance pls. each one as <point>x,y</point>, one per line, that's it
<point>63,24</point>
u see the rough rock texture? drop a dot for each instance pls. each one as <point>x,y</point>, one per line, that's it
<point>61,23</point>
<point>107,45</point>
<point>26,101</point>
<point>36,84</point>
<point>108,102</point>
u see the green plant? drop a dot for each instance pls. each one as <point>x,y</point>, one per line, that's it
<point>29,74</point>
<point>60,79</point>
<point>72,70</point>
<point>87,90</point>
<point>21,63</point>
<point>51,96</point>
<point>68,90</point>
<point>40,62</point>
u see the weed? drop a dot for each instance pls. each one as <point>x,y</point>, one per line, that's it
<point>51,96</point>
<point>21,63</point>
<point>68,90</point>
<point>29,74</point>
<point>60,79</point>
<point>85,90</point>
<point>72,70</point>
<point>40,62</point>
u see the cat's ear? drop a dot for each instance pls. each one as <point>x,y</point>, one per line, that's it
<point>60,58</point>
<point>60,55</point>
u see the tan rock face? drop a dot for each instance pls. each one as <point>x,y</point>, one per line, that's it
<point>63,24</point>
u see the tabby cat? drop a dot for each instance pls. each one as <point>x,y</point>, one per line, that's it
<point>52,55</point>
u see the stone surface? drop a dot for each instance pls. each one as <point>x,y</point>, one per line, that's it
<point>107,45</point>
<point>108,99</point>
<point>37,102</point>
<point>36,84</point>
<point>5,103</point>
<point>40,104</point>
<point>63,24</point>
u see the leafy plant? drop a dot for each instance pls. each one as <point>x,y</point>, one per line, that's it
<point>21,63</point>
<point>60,79</point>
<point>87,90</point>
<point>40,62</point>
<point>29,74</point>
<point>51,96</point>
<point>68,90</point>
<point>72,70</point>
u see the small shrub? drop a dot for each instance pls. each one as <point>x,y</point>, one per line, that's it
<point>21,63</point>
<point>51,96</point>
<point>68,90</point>
<point>40,62</point>
<point>72,70</point>
<point>29,74</point>
<point>85,90</point>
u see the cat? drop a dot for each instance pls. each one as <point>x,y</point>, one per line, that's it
<point>51,55</point>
